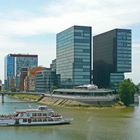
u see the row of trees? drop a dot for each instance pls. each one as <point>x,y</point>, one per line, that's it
<point>126,90</point>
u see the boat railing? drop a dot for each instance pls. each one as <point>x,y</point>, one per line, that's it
<point>10,116</point>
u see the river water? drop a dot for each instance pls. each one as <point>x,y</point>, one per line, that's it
<point>97,124</point>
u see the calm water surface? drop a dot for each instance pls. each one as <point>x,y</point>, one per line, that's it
<point>98,124</point>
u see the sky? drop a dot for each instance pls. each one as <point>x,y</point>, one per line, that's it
<point>30,26</point>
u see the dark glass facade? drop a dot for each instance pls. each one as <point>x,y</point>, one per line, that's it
<point>111,57</point>
<point>73,61</point>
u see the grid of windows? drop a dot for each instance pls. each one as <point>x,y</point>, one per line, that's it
<point>115,79</point>
<point>111,57</point>
<point>10,66</point>
<point>25,62</point>
<point>74,55</point>
<point>123,51</point>
<point>13,65</point>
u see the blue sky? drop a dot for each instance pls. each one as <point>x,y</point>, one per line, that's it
<point>30,26</point>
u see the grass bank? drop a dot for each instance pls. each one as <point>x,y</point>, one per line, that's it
<point>26,97</point>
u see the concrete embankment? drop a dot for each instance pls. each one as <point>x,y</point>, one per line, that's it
<point>61,102</point>
<point>49,100</point>
<point>65,102</point>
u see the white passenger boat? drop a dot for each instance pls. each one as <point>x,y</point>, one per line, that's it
<point>31,117</point>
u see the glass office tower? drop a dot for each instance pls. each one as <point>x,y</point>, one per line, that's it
<point>73,56</point>
<point>13,65</point>
<point>111,57</point>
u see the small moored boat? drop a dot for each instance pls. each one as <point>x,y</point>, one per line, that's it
<point>33,117</point>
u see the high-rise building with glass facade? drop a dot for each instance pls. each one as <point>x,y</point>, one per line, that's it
<point>73,56</point>
<point>13,65</point>
<point>111,57</point>
<point>46,80</point>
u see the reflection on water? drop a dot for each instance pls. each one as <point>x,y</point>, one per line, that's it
<point>98,124</point>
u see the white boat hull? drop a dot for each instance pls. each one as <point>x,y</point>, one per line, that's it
<point>13,123</point>
<point>5,122</point>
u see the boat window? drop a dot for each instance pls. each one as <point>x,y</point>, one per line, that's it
<point>16,115</point>
<point>44,114</point>
<point>17,121</point>
<point>44,120</point>
<point>33,120</point>
<point>50,119</point>
<point>50,114</point>
<point>29,120</point>
<point>21,115</point>
<point>24,120</point>
<point>40,120</point>
<point>43,108</point>
<point>39,114</point>
<point>28,114</point>
<point>33,114</point>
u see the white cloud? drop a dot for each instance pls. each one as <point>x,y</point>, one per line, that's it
<point>102,15</point>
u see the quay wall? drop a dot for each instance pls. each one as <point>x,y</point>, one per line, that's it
<point>61,101</point>
<point>66,101</point>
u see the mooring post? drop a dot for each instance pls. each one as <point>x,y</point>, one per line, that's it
<point>2,95</point>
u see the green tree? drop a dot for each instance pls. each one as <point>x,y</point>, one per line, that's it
<point>127,90</point>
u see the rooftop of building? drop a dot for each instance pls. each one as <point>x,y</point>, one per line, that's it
<point>23,55</point>
<point>75,26</point>
<point>83,90</point>
<point>116,29</point>
<point>34,71</point>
